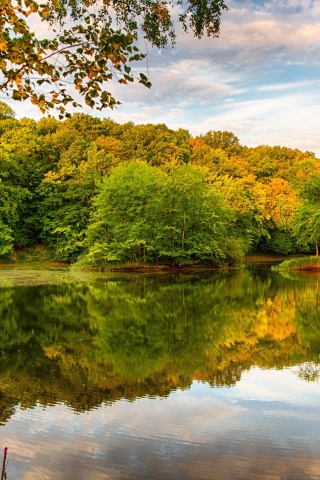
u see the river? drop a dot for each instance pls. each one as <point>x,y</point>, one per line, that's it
<point>196,376</point>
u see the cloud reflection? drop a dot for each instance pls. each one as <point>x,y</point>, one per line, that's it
<point>199,433</point>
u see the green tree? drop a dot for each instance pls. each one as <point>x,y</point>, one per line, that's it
<point>247,199</point>
<point>306,225</point>
<point>196,218</point>
<point>128,214</point>
<point>155,144</point>
<point>275,161</point>
<point>6,240</point>
<point>306,221</point>
<point>23,163</point>
<point>87,47</point>
<point>144,214</point>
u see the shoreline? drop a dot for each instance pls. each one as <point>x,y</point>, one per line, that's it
<point>161,267</point>
<point>302,264</point>
<point>151,267</point>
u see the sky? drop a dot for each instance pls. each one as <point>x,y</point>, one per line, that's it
<point>260,79</point>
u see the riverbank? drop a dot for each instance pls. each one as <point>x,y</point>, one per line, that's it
<point>304,264</point>
<point>42,255</point>
<point>254,258</point>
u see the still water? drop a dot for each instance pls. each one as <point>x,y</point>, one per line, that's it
<point>202,376</point>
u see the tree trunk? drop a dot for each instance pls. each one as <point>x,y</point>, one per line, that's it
<point>184,229</point>
<point>172,226</point>
<point>317,248</point>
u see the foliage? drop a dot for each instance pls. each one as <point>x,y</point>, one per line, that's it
<point>89,43</point>
<point>280,241</point>
<point>161,194</point>
<point>226,141</point>
<point>307,216</point>
<point>63,217</point>
<point>143,214</point>
<point>6,241</point>
<point>196,220</point>
<point>127,219</point>
<point>6,111</point>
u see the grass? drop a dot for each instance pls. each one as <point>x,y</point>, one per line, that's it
<point>307,264</point>
<point>36,254</point>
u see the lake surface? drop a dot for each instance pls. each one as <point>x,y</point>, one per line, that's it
<point>199,376</point>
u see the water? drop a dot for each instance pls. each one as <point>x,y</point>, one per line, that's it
<point>199,376</point>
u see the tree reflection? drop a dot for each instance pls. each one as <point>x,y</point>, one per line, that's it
<point>309,371</point>
<point>85,343</point>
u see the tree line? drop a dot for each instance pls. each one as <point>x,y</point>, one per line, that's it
<point>98,192</point>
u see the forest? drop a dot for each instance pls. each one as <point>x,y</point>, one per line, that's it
<point>98,193</point>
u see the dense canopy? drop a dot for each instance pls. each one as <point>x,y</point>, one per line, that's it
<point>101,193</point>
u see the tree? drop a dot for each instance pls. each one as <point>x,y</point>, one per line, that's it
<point>22,167</point>
<point>307,216</point>
<point>307,225</point>
<point>196,220</point>
<point>274,161</point>
<point>227,141</point>
<point>144,214</point>
<point>6,240</point>
<point>6,111</point>
<point>281,202</point>
<point>128,216</point>
<point>154,144</point>
<point>86,46</point>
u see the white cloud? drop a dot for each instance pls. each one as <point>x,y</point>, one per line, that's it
<point>284,86</point>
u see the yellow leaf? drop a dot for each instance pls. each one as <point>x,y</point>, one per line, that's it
<point>3,45</point>
<point>45,10</point>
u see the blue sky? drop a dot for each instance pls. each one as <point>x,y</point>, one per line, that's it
<point>260,79</point>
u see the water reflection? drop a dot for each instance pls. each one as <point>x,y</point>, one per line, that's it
<point>85,343</point>
<point>241,433</point>
<point>139,359</point>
